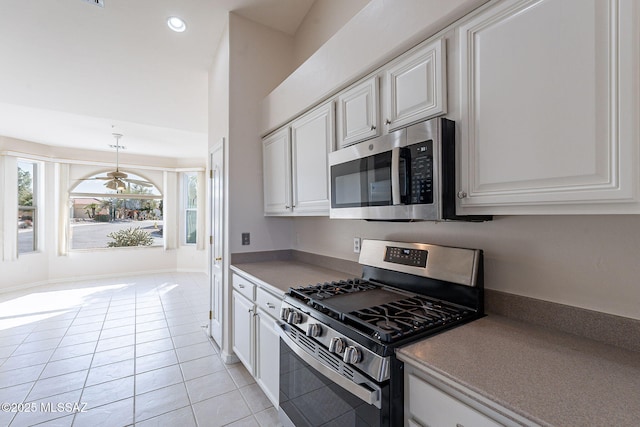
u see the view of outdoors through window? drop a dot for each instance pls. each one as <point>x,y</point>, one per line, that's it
<point>103,218</point>
<point>191,204</point>
<point>27,207</point>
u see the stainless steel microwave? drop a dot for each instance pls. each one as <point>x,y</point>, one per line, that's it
<point>406,175</point>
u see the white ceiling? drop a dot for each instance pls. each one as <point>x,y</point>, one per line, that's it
<point>71,70</point>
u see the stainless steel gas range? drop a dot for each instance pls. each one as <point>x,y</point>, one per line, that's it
<point>338,339</point>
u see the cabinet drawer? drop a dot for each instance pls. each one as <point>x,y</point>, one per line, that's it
<point>430,406</point>
<point>268,302</point>
<point>244,287</point>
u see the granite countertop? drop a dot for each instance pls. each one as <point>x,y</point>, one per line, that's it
<point>279,276</point>
<point>550,377</point>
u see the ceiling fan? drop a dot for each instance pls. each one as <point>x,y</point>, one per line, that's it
<point>117,180</point>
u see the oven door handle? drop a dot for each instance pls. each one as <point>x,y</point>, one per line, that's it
<point>372,397</point>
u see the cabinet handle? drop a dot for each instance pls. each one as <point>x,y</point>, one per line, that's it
<point>462,194</point>
<point>251,310</point>
<point>287,207</point>
<point>219,258</point>
<point>387,122</point>
<point>459,425</point>
<point>373,127</point>
<point>241,286</point>
<point>271,306</point>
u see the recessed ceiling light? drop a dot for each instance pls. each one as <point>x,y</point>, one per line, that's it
<point>176,24</point>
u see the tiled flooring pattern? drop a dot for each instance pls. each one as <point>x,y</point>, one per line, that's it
<point>120,352</point>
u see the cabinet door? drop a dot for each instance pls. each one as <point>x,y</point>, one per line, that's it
<point>243,330</point>
<point>267,356</point>
<point>416,86</point>
<point>429,406</point>
<point>311,141</point>
<point>276,157</point>
<point>548,117</point>
<point>358,113</point>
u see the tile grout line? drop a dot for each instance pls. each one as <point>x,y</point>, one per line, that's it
<point>45,365</point>
<point>184,380</point>
<point>93,355</point>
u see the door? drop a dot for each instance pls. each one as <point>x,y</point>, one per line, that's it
<point>548,120</point>
<point>276,152</point>
<point>267,355</point>
<point>243,330</point>
<point>216,209</point>
<point>311,141</point>
<point>417,86</point>
<point>357,113</point>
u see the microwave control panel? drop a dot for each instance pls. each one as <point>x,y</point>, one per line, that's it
<point>421,172</point>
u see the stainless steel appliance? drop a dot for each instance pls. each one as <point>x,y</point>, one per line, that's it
<point>338,339</point>
<point>405,175</point>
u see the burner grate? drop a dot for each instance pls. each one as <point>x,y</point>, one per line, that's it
<point>399,319</point>
<point>326,290</point>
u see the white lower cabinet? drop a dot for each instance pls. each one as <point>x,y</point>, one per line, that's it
<point>267,356</point>
<point>243,330</point>
<point>432,400</point>
<point>255,339</point>
<point>431,407</point>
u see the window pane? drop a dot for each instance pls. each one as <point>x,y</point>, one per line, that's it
<point>191,219</point>
<point>26,234</point>
<point>27,220</point>
<point>192,191</point>
<point>104,217</point>
<point>102,222</point>
<point>25,183</point>
<point>98,184</point>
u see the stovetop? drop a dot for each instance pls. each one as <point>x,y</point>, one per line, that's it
<point>379,311</point>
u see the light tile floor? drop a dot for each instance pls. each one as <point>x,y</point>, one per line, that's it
<point>129,351</point>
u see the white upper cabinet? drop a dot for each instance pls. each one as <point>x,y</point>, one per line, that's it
<point>416,86</point>
<point>312,138</point>
<point>276,157</point>
<point>296,167</point>
<point>549,107</point>
<point>358,113</point>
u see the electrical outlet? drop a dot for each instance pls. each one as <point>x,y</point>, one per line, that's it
<point>246,239</point>
<point>356,245</point>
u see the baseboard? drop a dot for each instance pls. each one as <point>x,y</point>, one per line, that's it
<point>229,358</point>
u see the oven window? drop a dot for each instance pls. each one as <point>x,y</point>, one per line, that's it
<point>308,398</point>
<point>362,182</point>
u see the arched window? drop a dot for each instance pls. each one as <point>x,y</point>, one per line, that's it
<point>115,209</point>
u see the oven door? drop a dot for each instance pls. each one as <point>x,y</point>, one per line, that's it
<point>314,394</point>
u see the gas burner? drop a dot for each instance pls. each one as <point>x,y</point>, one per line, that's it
<point>387,324</point>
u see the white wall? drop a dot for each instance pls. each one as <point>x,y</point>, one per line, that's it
<point>584,261</point>
<point>322,21</point>
<point>259,58</point>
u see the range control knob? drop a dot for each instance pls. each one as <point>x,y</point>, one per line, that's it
<point>284,313</point>
<point>336,345</point>
<point>313,330</point>
<point>351,355</point>
<point>294,318</point>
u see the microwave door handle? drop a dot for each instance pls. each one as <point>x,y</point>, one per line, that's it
<point>395,176</point>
